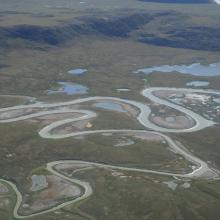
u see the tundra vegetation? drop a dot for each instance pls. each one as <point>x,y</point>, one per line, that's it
<point>40,43</point>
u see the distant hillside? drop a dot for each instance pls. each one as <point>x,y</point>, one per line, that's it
<point>171,30</point>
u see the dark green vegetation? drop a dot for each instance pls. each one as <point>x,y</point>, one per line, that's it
<point>22,143</point>
<point>208,147</point>
<point>155,200</point>
<point>7,101</point>
<point>40,42</point>
<point>173,30</point>
<point>185,38</point>
<point>7,203</point>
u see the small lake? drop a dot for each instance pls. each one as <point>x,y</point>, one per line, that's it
<point>198,83</point>
<point>69,89</point>
<point>217,100</point>
<point>195,69</point>
<point>123,90</point>
<point>109,106</point>
<point>38,182</point>
<point>77,71</point>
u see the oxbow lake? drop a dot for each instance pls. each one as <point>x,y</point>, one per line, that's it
<point>69,89</point>
<point>109,106</point>
<point>198,83</point>
<point>77,71</point>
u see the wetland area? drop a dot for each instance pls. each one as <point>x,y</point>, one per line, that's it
<point>109,110</point>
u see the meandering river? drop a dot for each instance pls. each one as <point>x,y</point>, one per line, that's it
<point>202,170</point>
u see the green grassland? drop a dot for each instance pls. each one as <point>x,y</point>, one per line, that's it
<point>7,202</point>
<point>208,145</point>
<point>30,68</point>
<point>22,141</point>
<point>144,198</point>
<point>33,72</point>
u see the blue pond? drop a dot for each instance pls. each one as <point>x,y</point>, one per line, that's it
<point>77,71</point>
<point>197,83</point>
<point>69,89</point>
<point>217,100</point>
<point>195,69</point>
<point>109,106</point>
